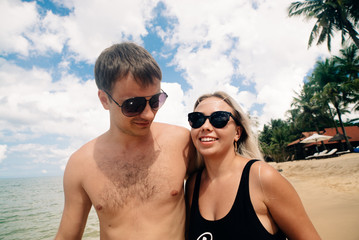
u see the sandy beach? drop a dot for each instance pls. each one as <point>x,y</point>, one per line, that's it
<point>329,189</point>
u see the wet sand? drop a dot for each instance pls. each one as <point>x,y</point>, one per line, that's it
<point>329,189</point>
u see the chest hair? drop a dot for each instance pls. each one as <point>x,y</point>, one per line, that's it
<point>132,178</point>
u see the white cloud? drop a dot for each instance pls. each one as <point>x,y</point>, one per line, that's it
<point>98,23</point>
<point>3,149</point>
<point>91,25</point>
<point>43,153</point>
<point>48,35</point>
<point>173,111</point>
<point>33,105</point>
<point>25,31</point>
<point>16,18</point>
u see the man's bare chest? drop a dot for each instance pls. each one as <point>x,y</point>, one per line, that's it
<point>133,182</point>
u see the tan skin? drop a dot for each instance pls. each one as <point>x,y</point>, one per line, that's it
<point>132,174</point>
<point>275,201</point>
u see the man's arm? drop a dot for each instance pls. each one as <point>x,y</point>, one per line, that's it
<point>77,203</point>
<point>188,198</point>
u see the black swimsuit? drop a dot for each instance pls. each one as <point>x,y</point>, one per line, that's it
<point>240,223</point>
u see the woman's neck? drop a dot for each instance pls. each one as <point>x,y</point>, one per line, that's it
<point>218,166</point>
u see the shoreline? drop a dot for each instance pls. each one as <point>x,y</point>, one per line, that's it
<point>329,190</point>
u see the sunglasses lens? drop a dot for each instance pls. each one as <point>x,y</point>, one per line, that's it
<point>219,119</point>
<point>134,106</point>
<point>196,119</point>
<point>158,100</point>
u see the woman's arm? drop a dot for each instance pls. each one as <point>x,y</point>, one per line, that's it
<point>284,205</point>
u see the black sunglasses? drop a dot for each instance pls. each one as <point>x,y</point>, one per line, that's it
<point>134,106</point>
<point>218,119</point>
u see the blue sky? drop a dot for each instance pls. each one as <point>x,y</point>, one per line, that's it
<point>48,96</point>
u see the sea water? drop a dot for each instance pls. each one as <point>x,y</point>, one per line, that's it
<point>31,208</point>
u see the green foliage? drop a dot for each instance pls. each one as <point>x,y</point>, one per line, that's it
<point>308,112</point>
<point>331,16</point>
<point>275,137</point>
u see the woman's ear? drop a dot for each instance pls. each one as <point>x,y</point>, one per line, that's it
<point>103,99</point>
<point>238,133</point>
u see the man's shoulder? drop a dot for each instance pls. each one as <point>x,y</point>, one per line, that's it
<point>84,152</point>
<point>165,130</point>
<point>165,126</point>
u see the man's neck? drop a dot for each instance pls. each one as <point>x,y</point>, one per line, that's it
<point>129,141</point>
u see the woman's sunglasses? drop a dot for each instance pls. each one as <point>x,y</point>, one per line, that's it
<point>134,106</point>
<point>218,119</point>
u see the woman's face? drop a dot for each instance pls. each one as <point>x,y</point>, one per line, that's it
<point>211,141</point>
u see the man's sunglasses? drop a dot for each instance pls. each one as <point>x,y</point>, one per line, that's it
<point>134,106</point>
<point>218,119</point>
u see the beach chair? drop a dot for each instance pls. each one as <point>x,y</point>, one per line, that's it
<point>322,153</point>
<point>331,153</point>
<point>315,155</point>
<point>312,156</point>
<point>343,152</point>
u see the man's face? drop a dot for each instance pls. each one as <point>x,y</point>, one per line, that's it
<point>127,88</point>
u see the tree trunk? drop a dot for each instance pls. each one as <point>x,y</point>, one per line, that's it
<point>332,116</point>
<point>336,128</point>
<point>349,146</point>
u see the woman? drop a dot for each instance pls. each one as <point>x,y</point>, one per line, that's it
<point>234,196</point>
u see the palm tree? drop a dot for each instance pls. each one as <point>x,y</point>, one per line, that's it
<point>356,96</point>
<point>353,9</point>
<point>274,138</point>
<point>331,15</point>
<point>333,82</point>
<point>348,62</point>
<point>307,111</point>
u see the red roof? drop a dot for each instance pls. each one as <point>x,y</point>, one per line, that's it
<point>352,132</point>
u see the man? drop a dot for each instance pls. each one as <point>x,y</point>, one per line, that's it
<point>132,174</point>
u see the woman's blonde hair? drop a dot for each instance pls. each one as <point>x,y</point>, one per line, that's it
<point>247,145</point>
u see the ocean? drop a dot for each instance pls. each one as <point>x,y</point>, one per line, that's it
<point>31,208</point>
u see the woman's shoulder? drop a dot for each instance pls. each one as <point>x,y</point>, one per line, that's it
<point>266,174</point>
<point>270,181</point>
<point>264,167</point>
